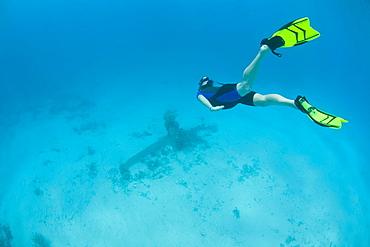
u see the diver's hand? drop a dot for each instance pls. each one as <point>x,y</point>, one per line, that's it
<point>217,108</point>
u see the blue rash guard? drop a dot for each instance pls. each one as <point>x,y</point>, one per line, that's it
<point>227,95</point>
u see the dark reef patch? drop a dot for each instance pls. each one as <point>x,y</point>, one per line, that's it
<point>6,236</point>
<point>249,170</point>
<point>236,213</point>
<point>38,240</point>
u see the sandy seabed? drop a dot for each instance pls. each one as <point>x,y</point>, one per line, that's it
<point>242,185</point>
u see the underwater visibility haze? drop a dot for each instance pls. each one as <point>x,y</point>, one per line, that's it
<point>104,143</point>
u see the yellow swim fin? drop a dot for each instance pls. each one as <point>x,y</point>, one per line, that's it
<point>294,33</point>
<point>318,116</point>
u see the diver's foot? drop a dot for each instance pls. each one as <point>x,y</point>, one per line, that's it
<point>264,49</point>
<point>273,43</point>
<point>298,103</point>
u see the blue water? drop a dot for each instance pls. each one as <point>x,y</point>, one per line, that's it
<point>84,86</point>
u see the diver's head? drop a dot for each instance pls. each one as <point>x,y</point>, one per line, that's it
<point>205,82</point>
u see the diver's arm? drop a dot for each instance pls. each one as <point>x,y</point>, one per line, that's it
<point>205,102</point>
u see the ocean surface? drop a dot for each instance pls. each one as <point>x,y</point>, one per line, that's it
<point>103,142</point>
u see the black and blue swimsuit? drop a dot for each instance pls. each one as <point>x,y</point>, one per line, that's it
<point>227,95</point>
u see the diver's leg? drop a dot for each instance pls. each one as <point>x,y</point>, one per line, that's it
<point>272,99</point>
<point>251,71</point>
